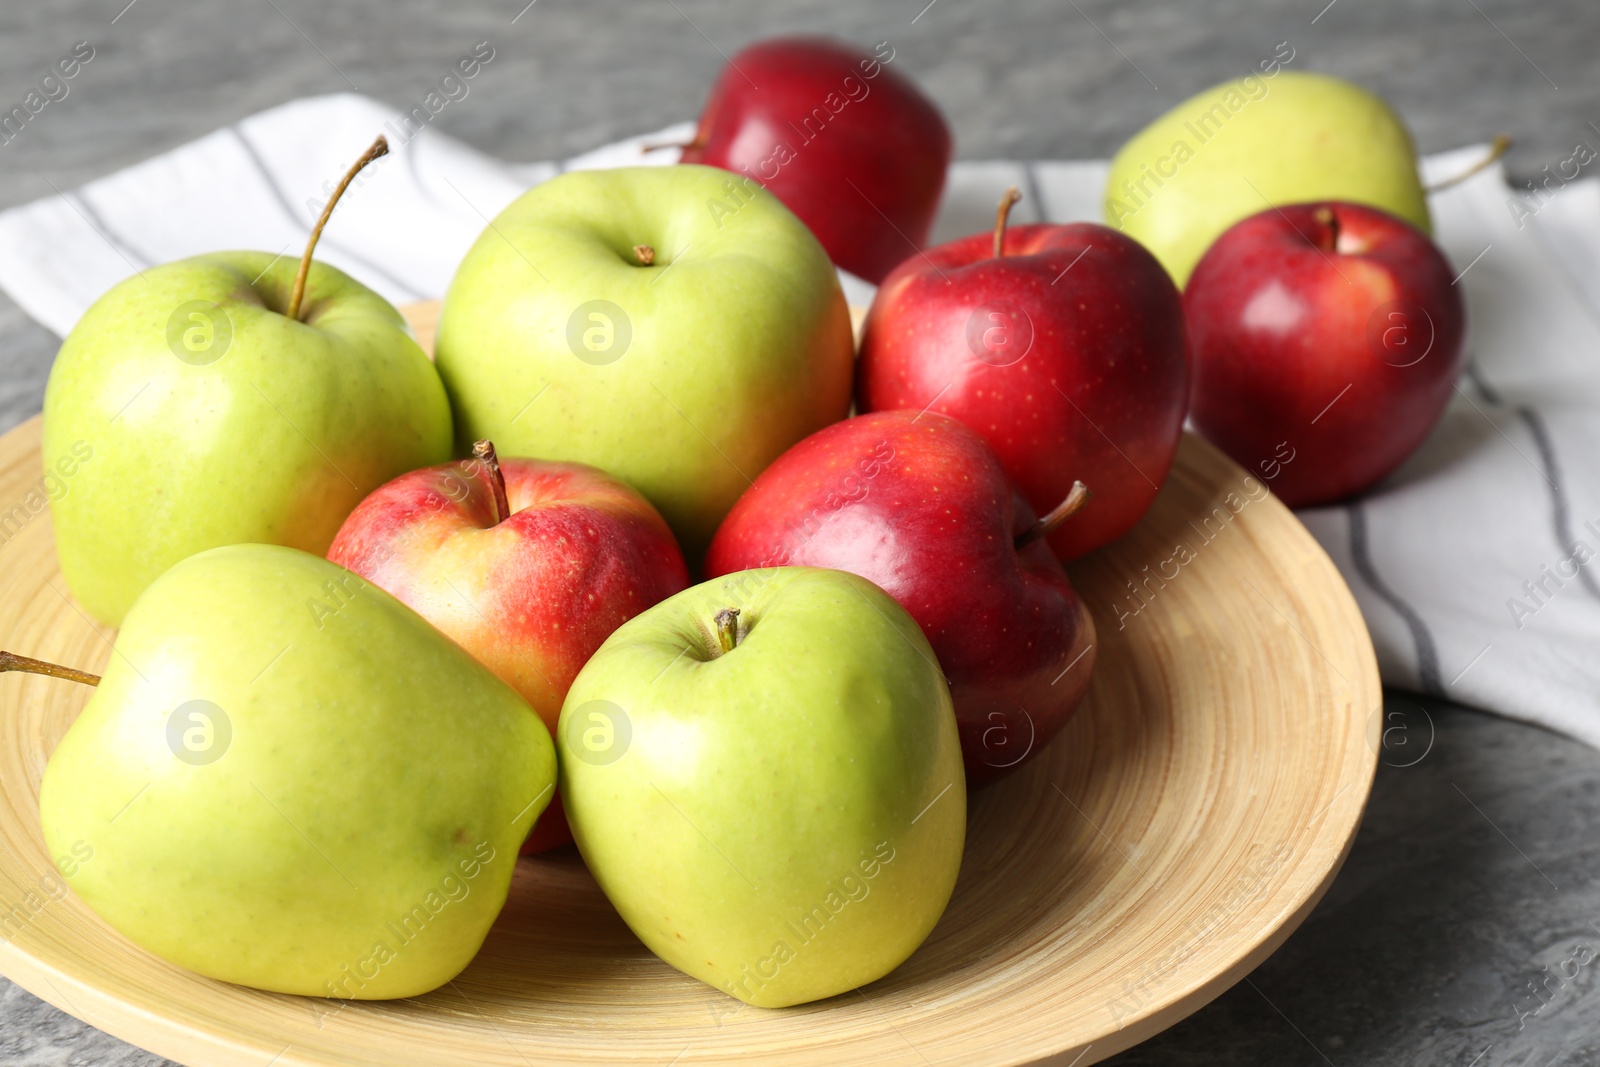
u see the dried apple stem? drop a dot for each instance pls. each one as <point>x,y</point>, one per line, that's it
<point>646,254</point>
<point>1497,148</point>
<point>1077,496</point>
<point>728,629</point>
<point>10,661</point>
<point>484,452</point>
<point>1001,214</point>
<point>380,147</point>
<point>656,146</point>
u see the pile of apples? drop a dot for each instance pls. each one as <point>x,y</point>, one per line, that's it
<point>355,676</point>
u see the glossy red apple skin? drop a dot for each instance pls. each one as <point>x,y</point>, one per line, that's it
<point>1312,305</point>
<point>531,597</point>
<point>1067,355</point>
<point>866,151</point>
<point>920,506</point>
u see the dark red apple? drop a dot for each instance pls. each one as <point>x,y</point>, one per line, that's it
<point>920,506</point>
<point>1328,332</point>
<point>527,564</point>
<point>849,144</point>
<point>1062,346</point>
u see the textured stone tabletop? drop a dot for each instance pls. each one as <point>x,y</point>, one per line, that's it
<point>1470,885</point>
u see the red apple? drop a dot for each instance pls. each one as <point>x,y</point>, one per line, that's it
<point>528,565</point>
<point>1328,333</point>
<point>1066,353</point>
<point>852,147</point>
<point>920,506</point>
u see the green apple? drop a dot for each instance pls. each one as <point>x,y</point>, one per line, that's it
<point>215,419</point>
<point>289,780</point>
<point>1246,145</point>
<point>772,800</point>
<point>675,326</point>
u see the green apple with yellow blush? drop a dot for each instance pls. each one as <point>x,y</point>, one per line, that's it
<point>229,398</point>
<point>1273,137</point>
<point>764,775</point>
<point>289,780</point>
<point>677,327</point>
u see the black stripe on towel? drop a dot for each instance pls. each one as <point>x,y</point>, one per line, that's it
<point>1485,390</point>
<point>1421,636</point>
<point>1560,510</point>
<point>294,217</point>
<point>1561,514</point>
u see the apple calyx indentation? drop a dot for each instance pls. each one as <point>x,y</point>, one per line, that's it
<point>727,625</point>
<point>483,451</point>
<point>10,661</point>
<point>378,148</point>
<point>645,254</point>
<point>1001,214</point>
<point>1076,498</point>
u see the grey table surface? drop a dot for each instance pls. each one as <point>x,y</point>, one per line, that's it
<point>1449,937</point>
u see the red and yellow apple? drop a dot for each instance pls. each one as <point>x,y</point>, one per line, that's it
<point>527,564</point>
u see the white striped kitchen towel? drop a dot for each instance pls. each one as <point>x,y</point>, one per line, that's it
<point>1471,564</point>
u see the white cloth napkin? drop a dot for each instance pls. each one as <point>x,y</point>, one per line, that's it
<point>1470,564</point>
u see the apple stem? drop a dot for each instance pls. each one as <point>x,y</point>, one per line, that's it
<point>483,452</point>
<point>1001,214</point>
<point>1077,496</point>
<point>380,147</point>
<point>1497,148</point>
<point>728,629</point>
<point>655,146</point>
<point>10,661</point>
<point>646,254</point>
<point>1325,216</point>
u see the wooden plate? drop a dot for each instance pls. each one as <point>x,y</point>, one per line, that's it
<point>1186,821</point>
